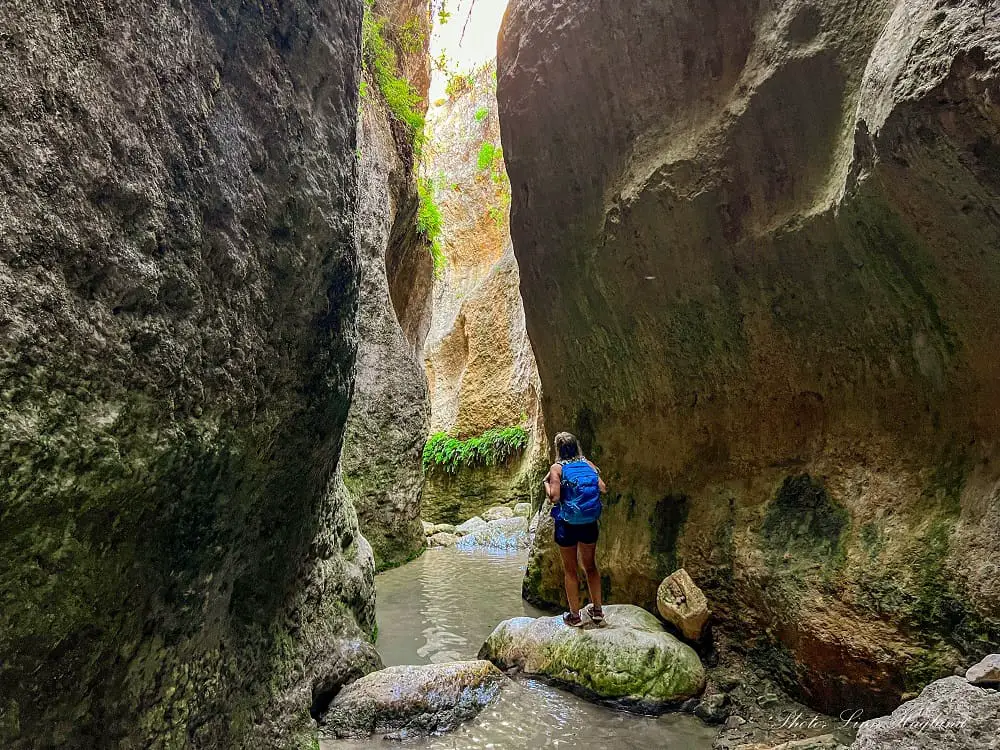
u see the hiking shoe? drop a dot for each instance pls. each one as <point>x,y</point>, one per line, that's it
<point>573,619</point>
<point>596,614</point>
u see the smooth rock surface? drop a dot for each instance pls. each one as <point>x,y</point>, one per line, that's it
<point>428,527</point>
<point>522,509</point>
<point>949,714</point>
<point>986,673</point>
<point>506,533</point>
<point>681,603</point>
<point>756,245</point>
<point>445,527</point>
<point>631,661</point>
<point>409,701</point>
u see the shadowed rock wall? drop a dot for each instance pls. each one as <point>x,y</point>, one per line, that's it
<point>178,289</point>
<point>757,245</point>
<point>387,424</point>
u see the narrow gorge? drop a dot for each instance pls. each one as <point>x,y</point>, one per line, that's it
<point>295,296</point>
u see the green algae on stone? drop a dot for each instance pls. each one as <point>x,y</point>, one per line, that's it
<point>632,661</point>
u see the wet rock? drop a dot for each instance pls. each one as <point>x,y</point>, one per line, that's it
<point>498,512</point>
<point>507,533</point>
<point>949,714</point>
<point>442,539</point>
<point>445,527</point>
<point>683,604</point>
<point>632,661</point>
<point>408,701</point>
<point>522,509</point>
<point>428,528</point>
<point>986,673</point>
<point>473,524</point>
<point>713,709</point>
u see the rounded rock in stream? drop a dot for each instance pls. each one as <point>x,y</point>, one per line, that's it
<point>631,661</point>
<point>407,701</point>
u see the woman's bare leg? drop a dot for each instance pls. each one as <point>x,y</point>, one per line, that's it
<point>571,579</point>
<point>587,552</point>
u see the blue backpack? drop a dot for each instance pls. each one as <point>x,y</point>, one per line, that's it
<point>579,493</point>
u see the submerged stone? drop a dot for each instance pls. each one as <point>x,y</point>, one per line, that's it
<point>949,714</point>
<point>408,701</point>
<point>631,661</point>
<point>507,533</point>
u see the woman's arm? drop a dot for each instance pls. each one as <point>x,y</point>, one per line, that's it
<point>553,482</point>
<point>600,482</point>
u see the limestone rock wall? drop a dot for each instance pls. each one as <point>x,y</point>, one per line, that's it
<point>387,423</point>
<point>772,231</point>
<point>178,290</point>
<point>479,361</point>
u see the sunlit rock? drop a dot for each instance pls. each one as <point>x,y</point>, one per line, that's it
<point>505,533</point>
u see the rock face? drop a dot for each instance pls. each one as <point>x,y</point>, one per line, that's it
<point>683,604</point>
<point>401,702</point>
<point>388,421</point>
<point>950,714</point>
<point>178,288</point>
<point>771,229</point>
<point>632,661</point>
<point>479,361</point>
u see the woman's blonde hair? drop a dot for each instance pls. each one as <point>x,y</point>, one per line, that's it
<point>567,446</point>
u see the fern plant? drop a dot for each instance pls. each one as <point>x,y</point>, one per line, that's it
<point>492,448</point>
<point>430,223</point>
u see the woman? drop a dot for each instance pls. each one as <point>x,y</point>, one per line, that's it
<point>575,486</point>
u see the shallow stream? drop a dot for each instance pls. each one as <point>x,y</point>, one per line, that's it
<point>442,606</point>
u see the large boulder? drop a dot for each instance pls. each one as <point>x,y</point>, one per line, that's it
<point>681,603</point>
<point>631,661</point>
<point>407,701</point>
<point>949,714</point>
<point>178,298</point>
<point>442,539</point>
<point>757,250</point>
<point>507,533</point>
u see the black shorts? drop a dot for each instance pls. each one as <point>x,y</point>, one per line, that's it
<point>572,534</point>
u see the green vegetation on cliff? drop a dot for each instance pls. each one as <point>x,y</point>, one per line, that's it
<point>381,61</point>
<point>492,448</point>
<point>430,222</point>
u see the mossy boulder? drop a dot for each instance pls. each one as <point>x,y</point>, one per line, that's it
<point>407,701</point>
<point>631,661</point>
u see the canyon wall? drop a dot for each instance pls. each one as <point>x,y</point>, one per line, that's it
<point>758,255</point>
<point>387,422</point>
<point>178,290</point>
<point>479,361</point>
